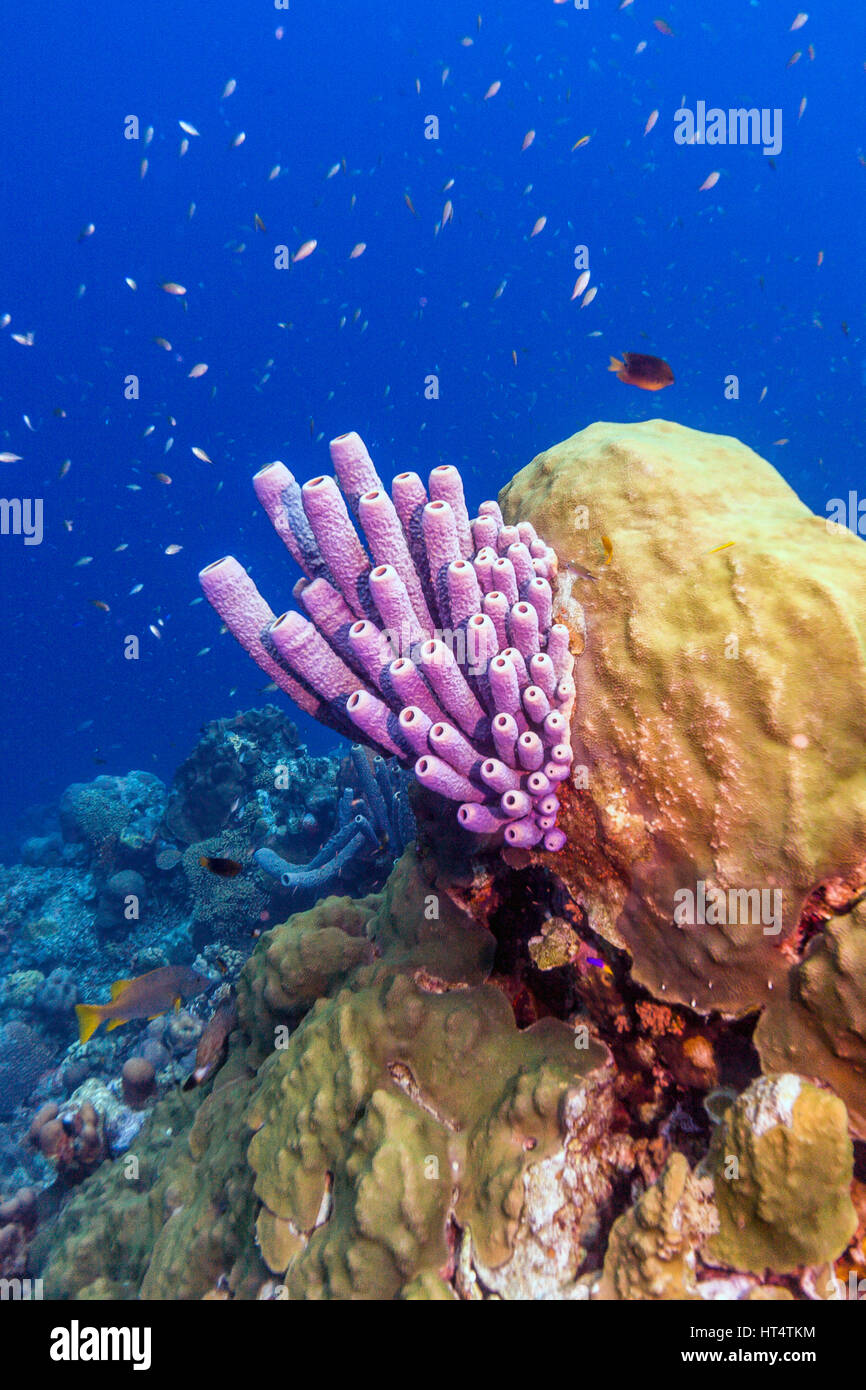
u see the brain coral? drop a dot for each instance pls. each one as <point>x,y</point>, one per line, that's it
<point>721,701</point>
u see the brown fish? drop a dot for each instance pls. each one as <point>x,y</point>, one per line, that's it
<point>147,996</point>
<point>213,1043</point>
<point>226,868</point>
<point>639,369</point>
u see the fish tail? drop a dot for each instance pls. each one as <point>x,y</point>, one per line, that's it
<point>615,365</point>
<point>89,1018</point>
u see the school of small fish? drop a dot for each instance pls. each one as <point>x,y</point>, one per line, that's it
<point>485,81</point>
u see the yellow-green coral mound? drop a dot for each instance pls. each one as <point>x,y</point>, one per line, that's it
<point>652,1247</point>
<point>820,1030</point>
<point>298,962</point>
<point>407,1098</point>
<point>783,1163</point>
<point>721,698</point>
<point>406,1122</point>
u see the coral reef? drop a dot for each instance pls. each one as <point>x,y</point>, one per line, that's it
<point>222,908</point>
<point>438,646</point>
<point>119,891</point>
<point>113,897</point>
<point>396,1132</point>
<point>383,1128</point>
<point>113,816</point>
<point>253,771</point>
<point>509,1074</point>
<point>24,1057</point>
<point>108,1231</point>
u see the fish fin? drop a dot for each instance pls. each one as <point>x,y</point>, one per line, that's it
<point>177,1005</point>
<point>89,1019</point>
<point>151,1017</point>
<point>118,987</point>
<point>116,1023</point>
<point>616,365</point>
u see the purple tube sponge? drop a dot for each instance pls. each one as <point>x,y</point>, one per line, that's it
<point>480,707</point>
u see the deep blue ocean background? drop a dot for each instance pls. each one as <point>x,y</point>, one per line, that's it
<point>718,282</point>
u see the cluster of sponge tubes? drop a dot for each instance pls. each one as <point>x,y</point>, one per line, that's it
<point>429,635</point>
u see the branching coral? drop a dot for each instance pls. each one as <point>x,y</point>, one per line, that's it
<point>438,645</point>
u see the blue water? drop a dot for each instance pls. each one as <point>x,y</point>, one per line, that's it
<point>718,282</point>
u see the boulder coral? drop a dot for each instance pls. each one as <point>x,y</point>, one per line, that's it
<point>718,732</point>
<point>782,1163</point>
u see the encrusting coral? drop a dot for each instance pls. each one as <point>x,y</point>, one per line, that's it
<point>438,647</point>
